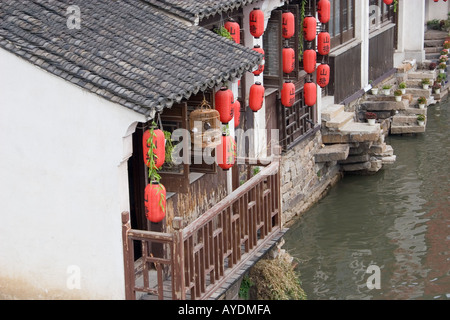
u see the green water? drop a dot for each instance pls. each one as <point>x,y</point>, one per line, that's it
<point>397,220</point>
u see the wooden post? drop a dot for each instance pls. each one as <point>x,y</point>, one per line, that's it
<point>127,257</point>
<point>178,284</point>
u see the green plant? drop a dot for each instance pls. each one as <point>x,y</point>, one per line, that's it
<point>398,93</point>
<point>442,66</point>
<point>152,170</point>
<point>256,170</point>
<point>402,85</point>
<point>422,100</point>
<point>387,86</point>
<point>421,117</point>
<point>244,289</point>
<point>222,31</point>
<point>426,81</point>
<point>300,33</point>
<point>169,147</point>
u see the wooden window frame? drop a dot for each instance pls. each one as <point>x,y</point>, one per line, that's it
<point>346,32</point>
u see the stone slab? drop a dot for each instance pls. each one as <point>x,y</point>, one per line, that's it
<point>357,166</point>
<point>331,111</point>
<point>334,152</point>
<point>407,129</point>
<point>384,105</point>
<point>356,159</point>
<point>340,120</point>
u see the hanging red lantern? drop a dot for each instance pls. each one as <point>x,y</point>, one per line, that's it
<point>310,92</point>
<point>256,19</point>
<point>224,101</point>
<point>389,2</point>
<point>256,96</point>
<point>309,60</point>
<point>288,25</point>
<point>288,94</point>
<point>155,202</point>
<point>323,43</point>
<point>323,75</point>
<point>234,30</point>
<point>226,152</point>
<point>288,60</point>
<point>260,70</point>
<point>237,113</point>
<point>323,11</point>
<point>309,28</point>
<point>159,150</point>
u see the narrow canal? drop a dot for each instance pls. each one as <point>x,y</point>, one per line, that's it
<point>397,220</point>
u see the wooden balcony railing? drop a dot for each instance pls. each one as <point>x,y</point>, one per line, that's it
<point>201,257</point>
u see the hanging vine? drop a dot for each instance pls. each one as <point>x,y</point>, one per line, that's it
<point>300,34</point>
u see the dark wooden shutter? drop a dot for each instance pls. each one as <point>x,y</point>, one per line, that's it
<point>273,46</point>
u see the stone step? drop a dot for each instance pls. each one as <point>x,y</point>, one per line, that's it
<point>334,152</point>
<point>407,129</point>
<point>353,132</point>
<point>435,35</point>
<point>414,111</point>
<point>332,111</point>
<point>419,92</point>
<point>388,160</point>
<point>356,159</point>
<point>404,120</point>
<point>433,43</point>
<point>432,56</point>
<point>430,74</point>
<point>340,120</point>
<point>384,105</point>
<point>436,49</point>
<point>356,167</point>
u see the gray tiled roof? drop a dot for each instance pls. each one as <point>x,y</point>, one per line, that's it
<point>125,51</point>
<point>199,9</point>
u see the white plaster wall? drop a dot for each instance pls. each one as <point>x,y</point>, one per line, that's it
<point>62,187</point>
<point>411,31</point>
<point>436,10</point>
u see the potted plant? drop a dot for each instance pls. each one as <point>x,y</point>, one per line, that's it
<point>443,59</point>
<point>398,95</point>
<point>426,83</point>
<point>442,67</point>
<point>402,87</point>
<point>371,117</point>
<point>374,90</point>
<point>437,87</point>
<point>432,66</point>
<point>421,119</point>
<point>387,89</point>
<point>422,101</point>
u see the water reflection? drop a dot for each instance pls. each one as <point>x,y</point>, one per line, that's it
<point>398,220</point>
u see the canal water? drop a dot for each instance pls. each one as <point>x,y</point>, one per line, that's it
<point>385,236</point>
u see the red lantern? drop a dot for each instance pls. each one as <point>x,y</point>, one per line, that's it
<point>224,102</point>
<point>155,202</point>
<point>310,92</point>
<point>389,2</point>
<point>159,151</point>
<point>288,25</point>
<point>260,70</point>
<point>323,75</point>
<point>288,60</point>
<point>323,10</point>
<point>288,94</point>
<point>256,19</point>
<point>256,96</point>
<point>309,60</point>
<point>323,43</point>
<point>436,0</point>
<point>234,30</point>
<point>309,28</point>
<point>237,113</point>
<point>226,152</point>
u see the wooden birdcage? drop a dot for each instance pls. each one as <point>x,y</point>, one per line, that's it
<point>205,126</point>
